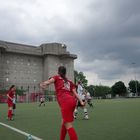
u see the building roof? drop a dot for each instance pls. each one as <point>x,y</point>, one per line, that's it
<point>44,49</point>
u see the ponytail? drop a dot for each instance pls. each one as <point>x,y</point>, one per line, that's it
<point>62,72</point>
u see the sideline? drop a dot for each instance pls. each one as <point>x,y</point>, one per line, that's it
<point>19,131</point>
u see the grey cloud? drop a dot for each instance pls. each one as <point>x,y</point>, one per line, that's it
<point>107,30</point>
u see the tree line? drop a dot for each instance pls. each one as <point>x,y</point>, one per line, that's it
<point>118,89</point>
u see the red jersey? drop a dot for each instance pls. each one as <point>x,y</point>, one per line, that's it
<point>63,89</point>
<point>65,98</point>
<point>11,94</point>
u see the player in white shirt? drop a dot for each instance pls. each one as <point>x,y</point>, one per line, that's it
<point>88,98</point>
<point>82,95</point>
<point>14,105</point>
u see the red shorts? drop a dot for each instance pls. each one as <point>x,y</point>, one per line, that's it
<point>67,109</point>
<point>10,104</point>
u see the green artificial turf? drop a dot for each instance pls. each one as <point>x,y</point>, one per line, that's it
<point>114,119</point>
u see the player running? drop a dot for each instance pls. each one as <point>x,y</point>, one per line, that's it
<point>88,98</point>
<point>81,93</point>
<point>65,93</point>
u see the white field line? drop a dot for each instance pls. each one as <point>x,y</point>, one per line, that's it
<point>19,131</point>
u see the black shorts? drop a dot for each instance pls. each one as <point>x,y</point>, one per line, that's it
<point>14,106</point>
<point>42,102</point>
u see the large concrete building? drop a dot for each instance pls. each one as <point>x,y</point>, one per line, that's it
<point>26,65</point>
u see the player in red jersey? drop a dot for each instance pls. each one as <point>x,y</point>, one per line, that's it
<point>10,95</point>
<point>66,96</point>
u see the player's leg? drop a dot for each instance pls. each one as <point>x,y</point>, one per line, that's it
<point>90,103</point>
<point>63,131</point>
<point>85,113</point>
<point>67,110</point>
<point>40,103</point>
<point>14,107</point>
<point>71,131</point>
<point>76,110</point>
<point>85,110</point>
<point>75,113</point>
<point>10,112</point>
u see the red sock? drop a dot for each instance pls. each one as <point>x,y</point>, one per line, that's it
<point>9,114</point>
<point>72,134</point>
<point>63,132</point>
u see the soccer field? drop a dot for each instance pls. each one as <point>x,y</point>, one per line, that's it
<point>115,119</point>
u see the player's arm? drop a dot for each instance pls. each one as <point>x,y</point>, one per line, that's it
<point>9,97</point>
<point>77,96</point>
<point>47,83</point>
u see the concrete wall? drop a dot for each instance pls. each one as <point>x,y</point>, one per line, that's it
<point>21,70</point>
<point>26,66</point>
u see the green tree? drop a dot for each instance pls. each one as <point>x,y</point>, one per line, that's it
<point>101,91</point>
<point>79,76</point>
<point>119,88</point>
<point>133,85</point>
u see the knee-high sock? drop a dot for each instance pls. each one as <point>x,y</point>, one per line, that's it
<point>9,114</point>
<point>85,112</point>
<point>63,132</point>
<point>72,134</point>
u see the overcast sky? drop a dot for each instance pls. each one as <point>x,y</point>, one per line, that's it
<point>105,34</point>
